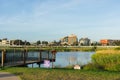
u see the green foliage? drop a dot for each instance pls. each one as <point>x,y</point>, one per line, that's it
<point>69,67</point>
<point>92,66</point>
<point>108,60</point>
<point>38,42</point>
<point>118,48</point>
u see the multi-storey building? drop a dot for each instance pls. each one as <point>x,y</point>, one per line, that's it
<point>84,42</point>
<point>69,40</point>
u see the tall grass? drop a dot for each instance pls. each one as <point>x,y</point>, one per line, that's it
<point>107,59</point>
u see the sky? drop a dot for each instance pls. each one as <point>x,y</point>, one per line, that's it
<point>53,19</point>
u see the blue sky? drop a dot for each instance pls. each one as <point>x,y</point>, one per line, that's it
<point>53,19</point>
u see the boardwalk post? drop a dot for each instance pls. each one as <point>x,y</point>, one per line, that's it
<point>24,56</point>
<point>48,55</point>
<point>40,55</point>
<point>53,54</point>
<point>32,65</point>
<point>3,58</point>
<point>39,58</point>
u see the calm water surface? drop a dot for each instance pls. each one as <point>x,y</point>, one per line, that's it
<point>64,59</point>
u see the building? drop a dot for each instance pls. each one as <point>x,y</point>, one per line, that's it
<point>84,42</point>
<point>5,42</point>
<point>69,40</point>
<point>110,42</point>
<point>72,39</point>
<point>64,41</point>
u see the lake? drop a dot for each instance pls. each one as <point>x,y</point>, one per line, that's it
<point>64,59</point>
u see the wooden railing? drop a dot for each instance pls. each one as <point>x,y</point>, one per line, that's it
<point>25,57</point>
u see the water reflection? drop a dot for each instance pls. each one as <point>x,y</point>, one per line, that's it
<point>64,59</point>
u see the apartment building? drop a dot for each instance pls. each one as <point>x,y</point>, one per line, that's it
<point>69,40</point>
<point>84,42</point>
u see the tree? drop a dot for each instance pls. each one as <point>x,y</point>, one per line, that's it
<point>75,43</point>
<point>26,43</point>
<point>45,43</point>
<point>38,42</point>
<point>117,43</point>
<point>18,42</point>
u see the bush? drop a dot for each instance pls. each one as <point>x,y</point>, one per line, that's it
<point>118,48</point>
<point>107,59</point>
<point>92,66</point>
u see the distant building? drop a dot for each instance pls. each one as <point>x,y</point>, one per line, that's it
<point>109,42</point>
<point>84,42</point>
<point>64,41</point>
<point>69,40</point>
<point>4,42</point>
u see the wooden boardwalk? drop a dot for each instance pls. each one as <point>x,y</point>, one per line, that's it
<point>24,58</point>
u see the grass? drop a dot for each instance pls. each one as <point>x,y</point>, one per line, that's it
<point>61,48</point>
<point>107,59</point>
<point>109,51</point>
<point>61,74</point>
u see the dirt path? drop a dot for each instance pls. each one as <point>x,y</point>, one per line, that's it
<point>8,76</point>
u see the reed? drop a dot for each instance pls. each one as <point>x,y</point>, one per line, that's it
<point>107,59</point>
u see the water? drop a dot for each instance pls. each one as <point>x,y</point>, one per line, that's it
<point>64,59</point>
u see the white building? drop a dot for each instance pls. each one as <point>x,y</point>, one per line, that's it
<point>5,42</point>
<point>84,42</point>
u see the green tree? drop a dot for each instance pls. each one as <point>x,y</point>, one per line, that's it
<point>26,43</point>
<point>38,42</point>
<point>18,42</point>
<point>45,43</point>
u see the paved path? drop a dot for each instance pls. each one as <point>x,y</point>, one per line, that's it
<point>8,76</point>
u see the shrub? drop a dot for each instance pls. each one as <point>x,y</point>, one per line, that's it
<point>107,59</point>
<point>118,48</point>
<point>91,66</point>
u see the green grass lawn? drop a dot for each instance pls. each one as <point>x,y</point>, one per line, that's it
<point>61,74</point>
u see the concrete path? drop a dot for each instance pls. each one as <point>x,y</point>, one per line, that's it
<point>8,76</point>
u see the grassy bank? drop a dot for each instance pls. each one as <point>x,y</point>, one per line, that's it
<point>61,49</point>
<point>105,60</point>
<point>62,74</point>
